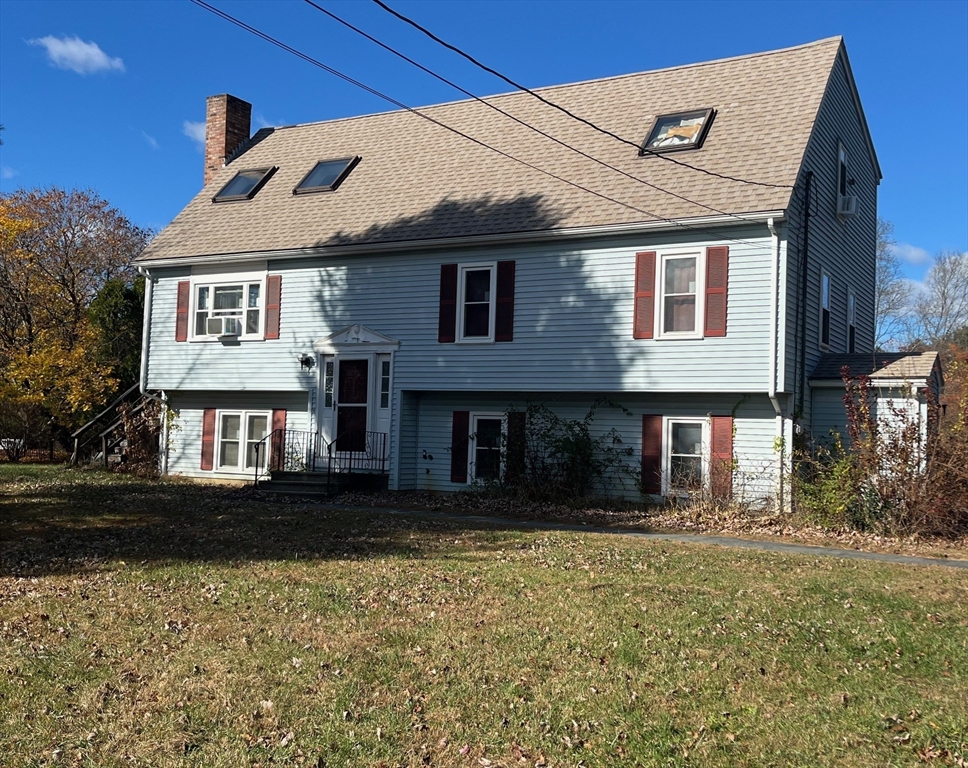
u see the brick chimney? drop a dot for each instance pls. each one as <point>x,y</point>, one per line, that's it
<point>227,125</point>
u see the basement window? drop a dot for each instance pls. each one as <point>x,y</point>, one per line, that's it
<point>678,130</point>
<point>326,175</point>
<point>244,185</point>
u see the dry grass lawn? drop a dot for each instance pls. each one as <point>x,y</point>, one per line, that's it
<point>156,624</point>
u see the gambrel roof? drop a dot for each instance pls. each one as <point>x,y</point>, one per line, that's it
<point>418,182</point>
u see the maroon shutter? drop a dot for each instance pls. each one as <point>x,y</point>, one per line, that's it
<point>644,313</point>
<point>514,461</point>
<point>181,313</point>
<point>652,454</point>
<point>458,446</point>
<point>278,439</point>
<point>447,322</point>
<point>273,302</point>
<point>208,438</point>
<point>504,330</point>
<point>717,274</point>
<point>721,457</point>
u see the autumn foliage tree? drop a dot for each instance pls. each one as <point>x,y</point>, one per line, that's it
<point>58,251</point>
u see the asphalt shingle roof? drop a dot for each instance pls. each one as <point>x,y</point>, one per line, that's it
<point>877,365</point>
<point>417,181</point>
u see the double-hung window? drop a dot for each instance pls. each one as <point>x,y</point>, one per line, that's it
<point>680,292</point>
<point>230,308</point>
<point>476,305</point>
<point>486,431</point>
<point>685,456</point>
<point>239,436</point>
<point>824,310</point>
<point>851,322</point>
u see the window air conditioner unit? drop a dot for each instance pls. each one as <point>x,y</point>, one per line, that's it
<point>222,326</point>
<point>847,205</point>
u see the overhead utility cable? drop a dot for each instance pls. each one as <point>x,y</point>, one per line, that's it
<point>336,73</point>
<point>569,113</point>
<point>516,119</point>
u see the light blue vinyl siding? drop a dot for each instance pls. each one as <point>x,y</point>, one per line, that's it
<point>572,324</point>
<point>757,465</point>
<point>843,248</point>
<point>185,439</point>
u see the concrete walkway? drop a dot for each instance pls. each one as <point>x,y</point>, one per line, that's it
<point>682,538</point>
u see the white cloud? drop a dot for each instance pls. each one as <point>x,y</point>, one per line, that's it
<point>195,131</point>
<point>911,254</point>
<point>74,54</point>
<point>152,141</point>
<point>8,173</point>
<point>261,122</point>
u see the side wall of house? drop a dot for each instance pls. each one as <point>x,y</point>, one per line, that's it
<point>842,247</point>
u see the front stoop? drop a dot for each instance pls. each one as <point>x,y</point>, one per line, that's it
<point>316,485</point>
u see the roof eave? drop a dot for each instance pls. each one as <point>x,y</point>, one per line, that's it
<point>571,233</point>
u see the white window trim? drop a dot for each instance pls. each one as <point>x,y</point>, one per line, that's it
<point>830,296</point>
<point>213,281</point>
<point>462,270</point>
<point>472,440</point>
<point>659,319</point>
<point>243,438</point>
<point>379,384</point>
<point>667,422</point>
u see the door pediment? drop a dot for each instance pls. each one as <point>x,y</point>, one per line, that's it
<point>356,338</point>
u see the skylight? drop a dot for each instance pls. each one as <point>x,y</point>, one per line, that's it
<point>680,130</point>
<point>326,176</point>
<point>244,185</point>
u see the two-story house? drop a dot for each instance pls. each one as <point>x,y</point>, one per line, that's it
<point>401,282</point>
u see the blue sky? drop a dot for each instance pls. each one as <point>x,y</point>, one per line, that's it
<point>104,94</point>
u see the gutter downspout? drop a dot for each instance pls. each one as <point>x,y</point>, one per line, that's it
<point>774,354</point>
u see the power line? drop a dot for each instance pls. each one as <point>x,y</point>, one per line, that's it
<point>336,73</point>
<point>526,124</point>
<point>639,148</point>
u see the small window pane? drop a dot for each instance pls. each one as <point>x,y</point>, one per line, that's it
<point>233,326</point>
<point>680,314</point>
<point>489,433</point>
<point>203,297</point>
<point>229,297</point>
<point>229,454</point>
<point>324,175</point>
<point>477,285</point>
<point>477,320</point>
<point>252,321</point>
<point>200,319</point>
<point>328,385</point>
<point>230,427</point>
<point>686,472</point>
<point>258,427</point>
<point>825,291</point>
<point>681,275</point>
<point>253,295</point>
<point>687,438</point>
<point>243,184</point>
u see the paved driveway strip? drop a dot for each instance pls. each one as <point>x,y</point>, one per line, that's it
<point>682,538</point>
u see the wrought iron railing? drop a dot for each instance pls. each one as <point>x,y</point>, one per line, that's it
<point>291,450</point>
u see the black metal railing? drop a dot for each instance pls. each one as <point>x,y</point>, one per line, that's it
<point>292,450</point>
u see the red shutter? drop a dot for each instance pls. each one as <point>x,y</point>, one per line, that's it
<point>208,438</point>
<point>644,313</point>
<point>278,439</point>
<point>447,322</point>
<point>504,330</point>
<point>458,446</point>
<point>514,461</point>
<point>721,457</point>
<point>273,302</point>
<point>181,313</point>
<point>717,274</point>
<point>652,454</point>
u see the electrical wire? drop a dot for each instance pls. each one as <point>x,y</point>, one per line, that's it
<point>579,118</point>
<point>347,78</point>
<point>524,123</point>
